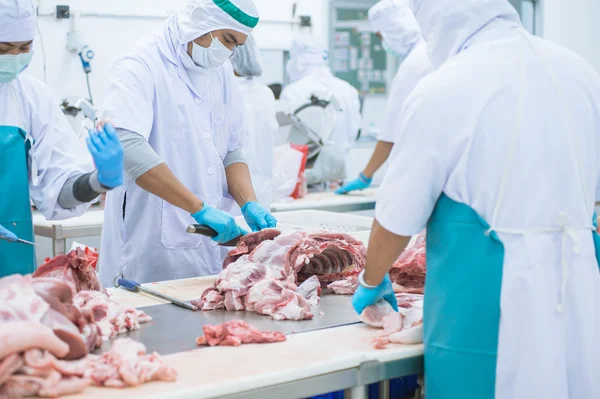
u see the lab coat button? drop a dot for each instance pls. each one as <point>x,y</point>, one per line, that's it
<point>207,136</point>
<point>213,243</point>
<point>198,101</point>
<point>211,171</point>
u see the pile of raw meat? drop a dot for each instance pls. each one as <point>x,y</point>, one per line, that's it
<point>402,327</point>
<point>282,275</point>
<point>51,320</point>
<point>407,273</point>
<point>235,333</point>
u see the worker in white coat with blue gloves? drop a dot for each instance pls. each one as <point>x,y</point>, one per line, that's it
<point>41,159</point>
<point>400,35</point>
<point>499,157</point>
<point>180,117</point>
<point>259,114</point>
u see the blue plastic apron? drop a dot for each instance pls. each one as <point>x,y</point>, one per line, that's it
<point>15,208</point>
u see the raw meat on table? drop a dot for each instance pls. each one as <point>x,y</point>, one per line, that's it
<point>77,268</point>
<point>408,272</point>
<point>248,243</point>
<point>235,333</point>
<point>347,286</point>
<point>111,317</point>
<point>279,300</point>
<point>263,275</point>
<point>402,327</point>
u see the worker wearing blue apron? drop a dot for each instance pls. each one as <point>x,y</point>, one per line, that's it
<point>41,159</point>
<point>505,182</point>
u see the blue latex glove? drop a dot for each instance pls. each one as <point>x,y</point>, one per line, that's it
<point>364,297</point>
<point>360,183</point>
<point>107,151</point>
<point>9,235</point>
<point>257,217</point>
<point>222,222</point>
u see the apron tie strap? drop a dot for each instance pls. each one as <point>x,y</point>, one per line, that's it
<point>568,232</point>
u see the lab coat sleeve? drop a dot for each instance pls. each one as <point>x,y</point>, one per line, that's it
<point>56,156</point>
<point>420,165</point>
<point>130,97</point>
<point>356,118</point>
<point>238,127</point>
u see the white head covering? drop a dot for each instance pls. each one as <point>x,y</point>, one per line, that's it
<point>246,59</point>
<point>447,25</point>
<point>17,20</point>
<point>202,16</point>
<point>307,54</point>
<point>396,23</point>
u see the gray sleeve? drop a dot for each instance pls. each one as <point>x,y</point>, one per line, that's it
<point>80,189</point>
<point>236,156</point>
<point>139,156</point>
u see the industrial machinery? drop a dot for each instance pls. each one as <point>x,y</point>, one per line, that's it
<point>313,124</point>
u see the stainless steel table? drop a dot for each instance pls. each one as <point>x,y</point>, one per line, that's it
<point>87,225</point>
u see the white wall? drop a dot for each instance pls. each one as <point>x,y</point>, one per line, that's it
<point>575,25</point>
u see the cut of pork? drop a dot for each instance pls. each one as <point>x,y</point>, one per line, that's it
<point>77,268</point>
<point>248,243</point>
<point>235,333</point>
<point>310,290</point>
<point>110,317</point>
<point>346,286</point>
<point>408,272</point>
<point>277,299</point>
<point>402,327</point>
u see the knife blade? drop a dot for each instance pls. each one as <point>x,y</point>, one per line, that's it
<point>20,240</point>
<point>134,286</point>
<point>209,232</point>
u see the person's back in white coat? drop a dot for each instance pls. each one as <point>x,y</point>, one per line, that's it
<point>394,23</point>
<point>506,130</point>
<point>309,73</point>
<point>259,114</point>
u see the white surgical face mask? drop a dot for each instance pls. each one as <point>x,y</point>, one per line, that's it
<point>393,52</point>
<point>11,65</point>
<point>210,57</point>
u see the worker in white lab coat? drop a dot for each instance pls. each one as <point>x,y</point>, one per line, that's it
<point>41,159</point>
<point>261,123</point>
<point>395,24</point>
<point>499,156</point>
<point>180,118</point>
<point>309,74</point>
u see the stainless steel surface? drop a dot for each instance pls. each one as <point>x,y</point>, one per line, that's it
<point>169,298</point>
<point>357,392</point>
<point>174,329</point>
<point>324,206</point>
<point>384,389</point>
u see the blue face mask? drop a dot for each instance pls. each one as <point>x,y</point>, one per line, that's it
<point>11,65</point>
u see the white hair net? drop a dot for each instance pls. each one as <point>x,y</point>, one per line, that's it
<point>202,16</point>
<point>396,23</point>
<point>17,20</point>
<point>306,55</point>
<point>246,59</point>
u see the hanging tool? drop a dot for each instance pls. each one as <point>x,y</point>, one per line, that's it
<point>208,232</point>
<point>136,287</point>
<point>19,240</point>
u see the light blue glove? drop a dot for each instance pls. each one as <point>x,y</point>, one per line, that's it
<point>364,297</point>
<point>9,235</point>
<point>257,217</point>
<point>107,151</point>
<point>360,183</point>
<point>223,223</point>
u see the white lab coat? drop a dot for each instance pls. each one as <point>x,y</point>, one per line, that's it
<point>56,154</point>
<point>192,126</point>
<point>321,80</point>
<point>261,128</point>
<point>415,66</point>
<point>457,127</point>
